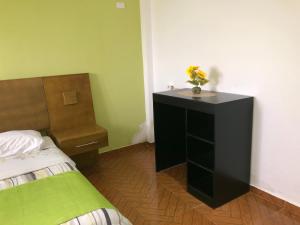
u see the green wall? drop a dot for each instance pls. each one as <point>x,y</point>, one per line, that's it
<point>55,37</point>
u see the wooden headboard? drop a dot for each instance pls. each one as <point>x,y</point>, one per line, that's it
<point>69,101</point>
<point>43,103</point>
<point>23,105</point>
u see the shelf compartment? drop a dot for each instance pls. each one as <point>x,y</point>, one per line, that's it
<point>200,152</point>
<point>201,125</point>
<point>200,179</point>
<point>170,137</point>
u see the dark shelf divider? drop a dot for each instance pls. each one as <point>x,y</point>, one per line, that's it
<point>201,139</point>
<point>200,166</point>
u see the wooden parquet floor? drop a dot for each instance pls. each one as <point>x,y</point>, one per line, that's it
<point>128,179</point>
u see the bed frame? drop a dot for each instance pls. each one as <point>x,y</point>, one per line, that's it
<point>50,104</point>
<point>23,105</point>
<point>43,103</point>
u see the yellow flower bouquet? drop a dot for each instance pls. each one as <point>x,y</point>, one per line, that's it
<point>197,77</point>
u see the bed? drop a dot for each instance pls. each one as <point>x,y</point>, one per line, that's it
<point>50,161</point>
<point>44,186</point>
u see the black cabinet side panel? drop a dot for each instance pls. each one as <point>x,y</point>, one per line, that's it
<point>169,126</point>
<point>233,148</point>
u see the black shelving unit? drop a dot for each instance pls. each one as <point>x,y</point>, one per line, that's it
<point>212,135</point>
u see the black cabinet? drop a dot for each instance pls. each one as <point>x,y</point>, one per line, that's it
<point>212,135</point>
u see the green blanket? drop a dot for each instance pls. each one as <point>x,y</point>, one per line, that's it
<point>49,201</point>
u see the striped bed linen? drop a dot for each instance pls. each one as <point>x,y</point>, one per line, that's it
<point>97,217</point>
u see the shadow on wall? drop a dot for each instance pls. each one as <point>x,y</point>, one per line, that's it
<point>214,78</point>
<point>256,147</point>
<point>141,135</point>
<point>99,102</point>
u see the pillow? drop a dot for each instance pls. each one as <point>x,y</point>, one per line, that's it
<point>16,143</point>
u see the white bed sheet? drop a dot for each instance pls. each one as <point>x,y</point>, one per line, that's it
<point>49,155</point>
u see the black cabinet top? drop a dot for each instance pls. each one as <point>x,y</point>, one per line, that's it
<point>208,97</point>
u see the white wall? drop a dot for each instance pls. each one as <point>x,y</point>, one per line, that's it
<point>146,27</point>
<point>248,47</point>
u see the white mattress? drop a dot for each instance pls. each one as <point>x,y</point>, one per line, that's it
<point>49,155</point>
